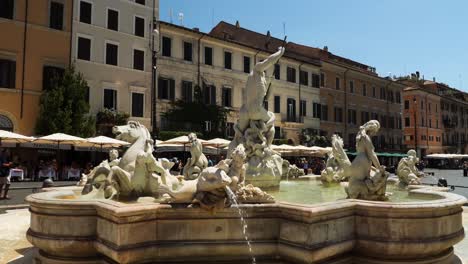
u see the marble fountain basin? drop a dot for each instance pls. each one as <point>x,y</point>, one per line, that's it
<point>420,229</point>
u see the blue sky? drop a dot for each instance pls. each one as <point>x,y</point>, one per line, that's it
<point>396,36</point>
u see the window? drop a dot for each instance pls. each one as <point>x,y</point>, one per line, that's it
<point>6,123</point>
<point>247,64</point>
<point>139,27</point>
<point>382,93</point>
<point>317,110</point>
<point>422,105</point>
<point>85,12</point>
<point>407,122</point>
<point>398,97</point>
<point>113,19</point>
<point>338,114</point>
<point>141,2</point>
<point>364,117</point>
<point>7,8</point>
<point>166,46</point>
<point>7,73</point>
<point>316,80</point>
<point>351,86</point>
<point>166,89</point>
<point>337,83</point>
<point>322,79</point>
<point>110,99</point>
<point>430,123</point>
<point>291,110</point>
<point>112,51</point>
<point>398,119</point>
<point>303,108</point>
<point>364,89</point>
<point>138,104</point>
<point>228,60</point>
<point>187,93</point>
<point>374,92</point>
<point>304,78</point>
<point>56,15</point>
<point>277,71</point>
<point>227,97</point>
<point>138,60</point>
<point>187,51</point>
<point>209,94</point>
<point>406,104</point>
<point>208,56</point>
<point>352,116</point>
<point>84,48</point>
<point>291,75</point>
<point>277,105</point>
<point>324,113</point>
<point>50,75</point>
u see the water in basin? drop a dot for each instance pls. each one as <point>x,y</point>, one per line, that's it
<point>313,192</point>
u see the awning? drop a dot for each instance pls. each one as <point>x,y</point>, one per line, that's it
<point>383,154</point>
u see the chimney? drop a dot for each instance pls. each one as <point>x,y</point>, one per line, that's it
<point>196,29</point>
<point>325,48</point>
<point>268,34</point>
<point>433,79</point>
<point>237,24</point>
<point>417,74</point>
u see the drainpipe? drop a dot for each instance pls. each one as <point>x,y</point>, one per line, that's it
<point>345,106</point>
<point>300,115</point>
<point>24,57</point>
<point>71,32</point>
<point>199,58</point>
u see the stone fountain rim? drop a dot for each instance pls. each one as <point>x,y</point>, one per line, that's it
<point>48,199</point>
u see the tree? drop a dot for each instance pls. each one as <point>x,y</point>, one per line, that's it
<point>310,138</point>
<point>195,116</point>
<point>64,107</point>
<point>106,119</point>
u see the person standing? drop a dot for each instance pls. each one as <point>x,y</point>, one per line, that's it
<point>5,165</point>
<point>465,169</point>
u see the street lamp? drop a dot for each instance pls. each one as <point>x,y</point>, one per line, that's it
<point>415,107</point>
<point>154,58</point>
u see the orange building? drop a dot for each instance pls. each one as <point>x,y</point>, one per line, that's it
<point>35,46</point>
<point>423,127</point>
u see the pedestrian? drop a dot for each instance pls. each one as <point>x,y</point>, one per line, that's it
<point>5,165</point>
<point>210,161</point>
<point>465,169</point>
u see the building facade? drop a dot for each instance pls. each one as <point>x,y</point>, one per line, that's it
<point>441,117</point>
<point>112,47</point>
<point>220,63</point>
<point>35,46</point>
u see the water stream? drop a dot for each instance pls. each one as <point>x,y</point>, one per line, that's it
<point>232,198</point>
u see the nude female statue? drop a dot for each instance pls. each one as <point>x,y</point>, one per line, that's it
<point>366,181</point>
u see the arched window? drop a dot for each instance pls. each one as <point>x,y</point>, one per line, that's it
<point>5,123</point>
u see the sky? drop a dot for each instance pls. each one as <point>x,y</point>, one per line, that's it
<point>398,37</point>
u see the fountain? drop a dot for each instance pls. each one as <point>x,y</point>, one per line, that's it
<point>132,210</point>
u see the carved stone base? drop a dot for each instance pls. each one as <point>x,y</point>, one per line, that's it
<point>264,172</point>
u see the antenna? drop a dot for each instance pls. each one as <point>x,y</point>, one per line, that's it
<point>284,29</point>
<point>181,18</point>
<point>170,16</point>
<point>212,17</point>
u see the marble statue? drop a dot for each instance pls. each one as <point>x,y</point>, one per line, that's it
<point>367,178</point>
<point>209,190</point>
<point>337,161</point>
<point>255,128</point>
<point>100,173</point>
<point>407,172</point>
<point>198,160</point>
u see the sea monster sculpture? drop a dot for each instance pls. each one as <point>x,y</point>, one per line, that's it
<point>336,163</point>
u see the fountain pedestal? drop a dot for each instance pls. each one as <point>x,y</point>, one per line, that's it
<point>68,230</point>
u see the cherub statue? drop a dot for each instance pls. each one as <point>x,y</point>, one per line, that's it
<point>407,172</point>
<point>198,160</point>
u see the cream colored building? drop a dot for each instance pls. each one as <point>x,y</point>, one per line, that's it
<point>184,61</point>
<point>111,46</point>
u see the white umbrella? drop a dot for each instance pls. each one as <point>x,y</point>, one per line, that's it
<point>7,136</point>
<point>219,143</point>
<point>182,140</point>
<point>104,141</point>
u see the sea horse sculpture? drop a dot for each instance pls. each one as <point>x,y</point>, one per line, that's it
<point>367,178</point>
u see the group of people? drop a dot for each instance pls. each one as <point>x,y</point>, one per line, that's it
<point>311,165</point>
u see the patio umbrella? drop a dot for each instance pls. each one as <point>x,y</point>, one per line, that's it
<point>103,141</point>
<point>59,138</point>
<point>219,143</point>
<point>10,137</point>
<point>182,140</point>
